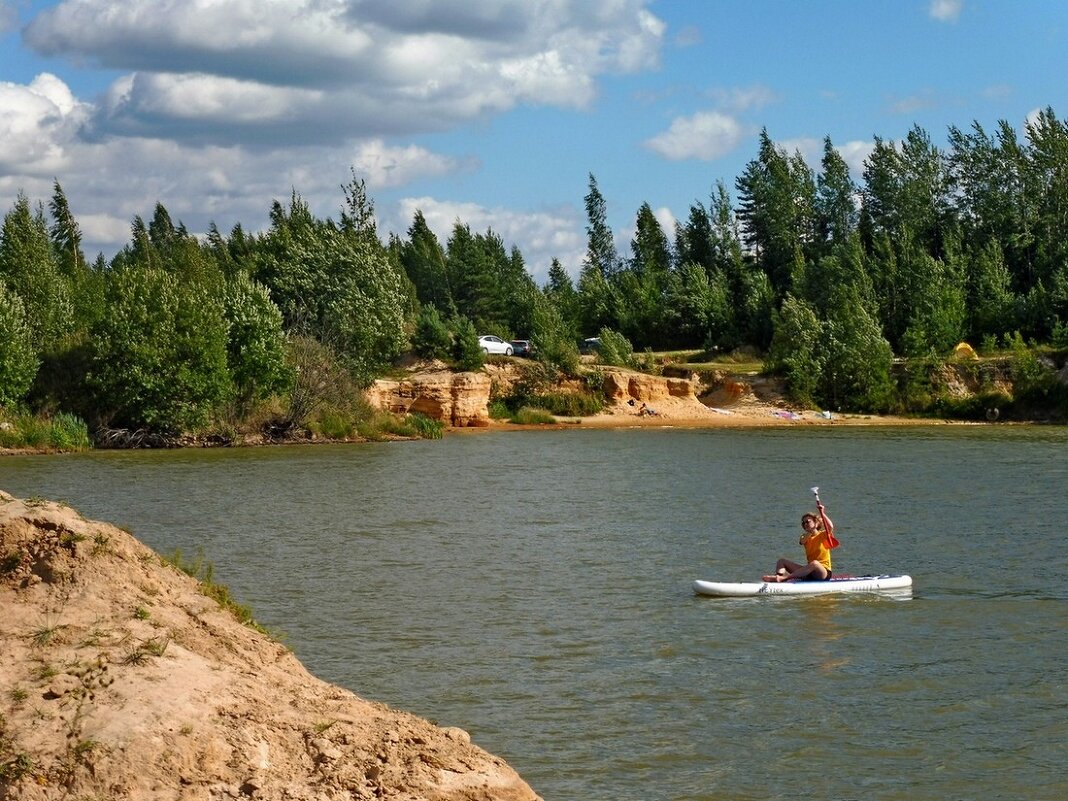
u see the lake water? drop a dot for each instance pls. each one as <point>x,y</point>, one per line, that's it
<point>534,588</point>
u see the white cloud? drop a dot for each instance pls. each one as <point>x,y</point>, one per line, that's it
<point>383,166</point>
<point>38,123</point>
<point>338,69</point>
<point>624,237</point>
<point>855,153</point>
<point>667,221</point>
<point>221,106</point>
<point>103,227</point>
<point>109,180</point>
<point>946,10</point>
<point>196,96</point>
<point>706,135</point>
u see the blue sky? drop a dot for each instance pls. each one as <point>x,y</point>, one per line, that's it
<point>493,112</point>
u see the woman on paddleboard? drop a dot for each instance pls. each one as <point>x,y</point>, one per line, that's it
<point>817,540</point>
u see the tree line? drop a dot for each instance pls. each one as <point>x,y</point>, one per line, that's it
<point>829,278</point>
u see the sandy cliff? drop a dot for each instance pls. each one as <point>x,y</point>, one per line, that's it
<point>457,399</point>
<point>120,679</point>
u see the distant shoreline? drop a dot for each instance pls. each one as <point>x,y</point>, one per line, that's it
<point>672,413</point>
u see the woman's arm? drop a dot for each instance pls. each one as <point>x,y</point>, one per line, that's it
<point>828,526</point>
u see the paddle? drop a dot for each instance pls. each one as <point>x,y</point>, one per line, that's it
<point>831,539</point>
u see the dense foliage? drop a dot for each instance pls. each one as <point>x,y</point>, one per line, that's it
<point>830,277</point>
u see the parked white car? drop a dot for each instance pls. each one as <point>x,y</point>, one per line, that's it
<point>495,346</point>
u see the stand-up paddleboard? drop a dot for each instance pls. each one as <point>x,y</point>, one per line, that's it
<point>891,585</point>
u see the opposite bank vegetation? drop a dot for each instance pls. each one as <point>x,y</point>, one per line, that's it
<point>851,293</point>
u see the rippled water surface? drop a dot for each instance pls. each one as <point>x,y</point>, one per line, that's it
<point>534,588</point>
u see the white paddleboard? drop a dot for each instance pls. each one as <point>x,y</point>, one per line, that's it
<point>891,585</point>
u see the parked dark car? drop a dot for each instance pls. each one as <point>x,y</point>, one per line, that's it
<point>522,347</point>
<point>590,345</point>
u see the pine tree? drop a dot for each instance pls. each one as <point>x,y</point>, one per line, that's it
<point>28,267</point>
<point>776,193</point>
<point>836,210</point>
<point>601,248</point>
<point>66,237</point>
<point>693,240</point>
<point>560,292</point>
<point>423,260</point>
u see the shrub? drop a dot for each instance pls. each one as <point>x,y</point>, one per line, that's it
<point>528,415</point>
<point>69,433</point>
<point>412,426</point>
<point>18,356</point>
<point>466,353</point>
<point>1060,335</point>
<point>320,382</point>
<point>498,410</point>
<point>64,432</point>
<point>159,356</point>
<point>332,424</point>
<point>426,427</point>
<point>615,349</point>
<point>256,343</point>
<point>432,339</point>
<point>569,404</point>
<point>973,407</point>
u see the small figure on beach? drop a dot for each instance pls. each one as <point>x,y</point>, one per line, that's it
<point>817,539</point>
<point>646,411</point>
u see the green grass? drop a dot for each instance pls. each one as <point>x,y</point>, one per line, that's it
<point>334,425</point>
<point>204,573</point>
<point>83,748</point>
<point>43,635</point>
<point>498,410</point>
<point>568,404</point>
<point>415,426</point>
<point>153,647</point>
<point>15,766</point>
<point>528,415</point>
<point>62,432</point>
<point>374,426</point>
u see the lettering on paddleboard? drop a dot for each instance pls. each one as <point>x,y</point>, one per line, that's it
<point>768,588</point>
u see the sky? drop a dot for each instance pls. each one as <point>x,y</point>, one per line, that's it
<point>493,113</point>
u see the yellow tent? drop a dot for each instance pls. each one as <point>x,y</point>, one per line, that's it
<point>964,351</point>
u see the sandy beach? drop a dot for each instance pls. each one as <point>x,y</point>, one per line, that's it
<point>692,413</point>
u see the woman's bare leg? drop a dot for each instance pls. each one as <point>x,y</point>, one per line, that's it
<point>784,569</point>
<point>813,571</point>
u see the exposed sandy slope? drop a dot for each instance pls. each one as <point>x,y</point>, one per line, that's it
<point>119,679</point>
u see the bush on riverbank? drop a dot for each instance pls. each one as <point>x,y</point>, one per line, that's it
<point>61,432</point>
